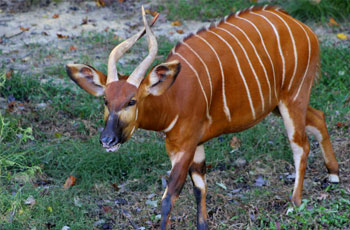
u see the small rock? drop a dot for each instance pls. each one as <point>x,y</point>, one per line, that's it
<point>65,228</point>
<point>260,181</point>
<point>99,222</point>
<point>152,203</point>
<point>240,162</point>
<point>41,106</point>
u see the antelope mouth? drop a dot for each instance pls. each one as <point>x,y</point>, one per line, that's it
<point>113,148</point>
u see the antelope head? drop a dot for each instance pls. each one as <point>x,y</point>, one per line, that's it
<point>124,94</point>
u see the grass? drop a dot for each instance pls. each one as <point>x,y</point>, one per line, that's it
<point>301,9</point>
<point>40,147</point>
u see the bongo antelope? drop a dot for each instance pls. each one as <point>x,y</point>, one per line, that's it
<point>222,79</point>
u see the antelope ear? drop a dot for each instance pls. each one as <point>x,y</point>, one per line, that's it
<point>162,77</point>
<point>88,78</point>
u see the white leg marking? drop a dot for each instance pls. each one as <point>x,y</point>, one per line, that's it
<point>297,150</point>
<point>257,55</point>
<point>172,124</point>
<point>294,47</point>
<point>278,42</point>
<point>249,62</point>
<point>165,192</point>
<point>199,82</point>
<point>333,178</point>
<point>267,53</point>
<point>297,154</point>
<point>176,158</point>
<point>315,132</point>
<point>199,155</point>
<point>199,181</point>
<point>226,109</point>
<point>206,69</point>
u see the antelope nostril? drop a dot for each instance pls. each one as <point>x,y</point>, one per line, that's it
<point>108,140</point>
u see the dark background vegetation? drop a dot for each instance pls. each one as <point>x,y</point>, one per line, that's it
<point>49,131</point>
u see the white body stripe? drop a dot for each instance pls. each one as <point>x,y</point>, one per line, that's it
<point>199,82</point>
<point>257,55</point>
<point>206,69</point>
<point>249,62</point>
<point>278,43</point>
<point>172,124</point>
<point>241,73</point>
<point>226,109</point>
<point>294,48</point>
<point>308,60</point>
<point>268,55</point>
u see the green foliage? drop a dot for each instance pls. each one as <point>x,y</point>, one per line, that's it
<point>301,9</point>
<point>322,11</point>
<point>203,9</point>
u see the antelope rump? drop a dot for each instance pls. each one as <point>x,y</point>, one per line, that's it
<point>222,79</point>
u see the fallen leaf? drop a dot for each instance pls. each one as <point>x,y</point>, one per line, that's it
<point>153,13</point>
<point>106,29</point>
<point>24,28</point>
<point>221,185</point>
<point>56,16</point>
<point>121,1</point>
<point>107,209</point>
<point>30,201</point>
<point>11,106</point>
<point>72,48</point>
<point>235,142</point>
<point>100,3</point>
<point>9,74</point>
<point>176,23</point>
<point>85,21</point>
<point>341,36</point>
<point>323,196</point>
<point>77,202</point>
<point>69,182</point>
<point>180,31</point>
<point>61,36</point>
<point>260,181</point>
<point>115,186</point>
<point>333,22</point>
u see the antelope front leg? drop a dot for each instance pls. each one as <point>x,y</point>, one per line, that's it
<point>180,161</point>
<point>197,172</point>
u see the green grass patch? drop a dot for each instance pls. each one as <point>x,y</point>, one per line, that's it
<point>302,9</point>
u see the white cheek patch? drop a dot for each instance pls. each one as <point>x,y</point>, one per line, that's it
<point>198,181</point>
<point>199,155</point>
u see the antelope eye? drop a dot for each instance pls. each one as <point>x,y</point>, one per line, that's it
<point>132,102</point>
